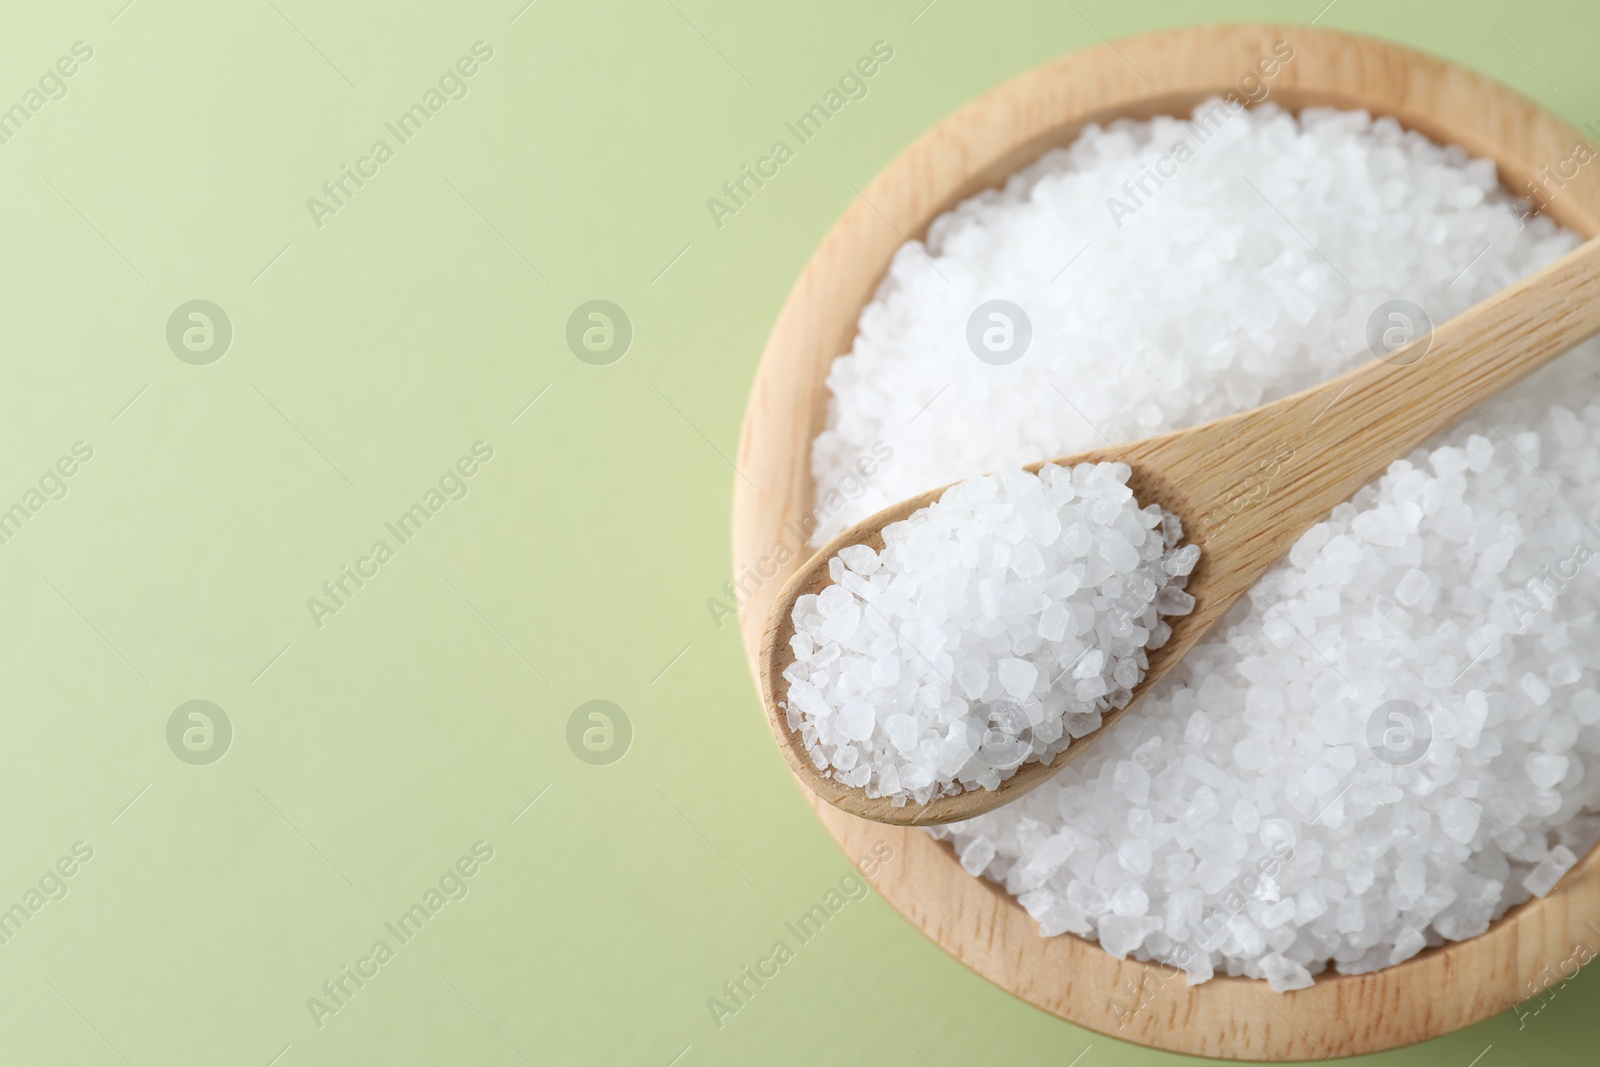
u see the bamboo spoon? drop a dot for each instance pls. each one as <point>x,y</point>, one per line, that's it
<point>1247,487</point>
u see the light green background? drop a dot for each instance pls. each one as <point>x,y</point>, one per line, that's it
<point>370,753</point>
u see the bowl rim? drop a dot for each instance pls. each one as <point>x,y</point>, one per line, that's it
<point>1436,992</point>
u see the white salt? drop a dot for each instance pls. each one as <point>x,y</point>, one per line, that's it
<point>994,626</point>
<point>1543,877</point>
<point>1454,584</point>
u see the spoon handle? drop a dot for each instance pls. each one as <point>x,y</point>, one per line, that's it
<point>1279,469</point>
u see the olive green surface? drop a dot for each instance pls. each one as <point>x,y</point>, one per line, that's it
<point>411,733</point>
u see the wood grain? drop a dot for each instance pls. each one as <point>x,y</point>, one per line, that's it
<point>1434,993</point>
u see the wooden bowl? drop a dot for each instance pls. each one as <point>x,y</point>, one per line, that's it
<point>1434,993</point>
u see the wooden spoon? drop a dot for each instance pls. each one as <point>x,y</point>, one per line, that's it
<point>1247,487</point>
